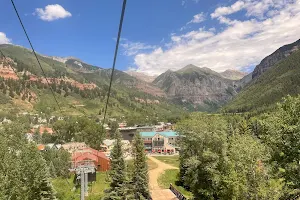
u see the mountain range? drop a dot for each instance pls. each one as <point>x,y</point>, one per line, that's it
<point>81,87</point>
<point>197,88</point>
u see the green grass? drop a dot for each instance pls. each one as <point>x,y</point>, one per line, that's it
<point>171,176</point>
<point>171,160</point>
<point>65,190</point>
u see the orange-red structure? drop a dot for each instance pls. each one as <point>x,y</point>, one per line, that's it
<point>101,162</point>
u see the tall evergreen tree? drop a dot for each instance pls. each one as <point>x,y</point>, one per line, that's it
<point>118,187</point>
<point>23,171</point>
<point>140,175</point>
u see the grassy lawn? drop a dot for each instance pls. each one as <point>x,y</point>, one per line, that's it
<point>171,176</point>
<point>171,160</point>
<point>65,190</point>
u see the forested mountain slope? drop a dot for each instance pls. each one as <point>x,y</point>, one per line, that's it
<point>278,81</point>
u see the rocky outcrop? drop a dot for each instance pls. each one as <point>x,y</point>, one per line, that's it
<point>141,76</point>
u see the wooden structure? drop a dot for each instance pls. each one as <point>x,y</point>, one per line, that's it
<point>177,193</point>
<point>80,157</point>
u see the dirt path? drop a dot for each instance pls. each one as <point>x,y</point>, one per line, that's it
<point>158,193</point>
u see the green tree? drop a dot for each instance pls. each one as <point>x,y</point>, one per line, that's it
<point>23,171</point>
<point>280,130</point>
<point>118,187</point>
<point>248,173</point>
<point>203,154</point>
<point>59,161</point>
<point>65,130</point>
<point>114,127</point>
<point>217,162</point>
<point>140,174</point>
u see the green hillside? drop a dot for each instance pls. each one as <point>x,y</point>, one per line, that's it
<point>35,96</point>
<point>280,80</point>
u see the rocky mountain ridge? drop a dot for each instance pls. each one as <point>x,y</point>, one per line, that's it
<point>280,54</point>
<point>203,88</point>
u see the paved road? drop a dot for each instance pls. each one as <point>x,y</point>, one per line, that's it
<point>158,193</point>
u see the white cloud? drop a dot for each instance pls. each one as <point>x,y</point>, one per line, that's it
<point>132,48</point>
<point>257,8</point>
<point>4,39</point>
<point>240,45</point>
<point>222,11</point>
<point>52,12</point>
<point>198,18</point>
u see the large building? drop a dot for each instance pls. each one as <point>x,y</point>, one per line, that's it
<point>160,142</point>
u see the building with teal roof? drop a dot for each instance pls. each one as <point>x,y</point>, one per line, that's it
<point>160,142</point>
<point>166,134</point>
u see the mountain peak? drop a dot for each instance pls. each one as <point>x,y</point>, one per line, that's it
<point>193,68</point>
<point>188,67</point>
<point>233,74</point>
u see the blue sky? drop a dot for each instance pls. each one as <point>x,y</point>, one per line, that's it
<point>157,35</point>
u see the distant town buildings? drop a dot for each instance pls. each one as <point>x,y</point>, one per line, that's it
<point>109,144</point>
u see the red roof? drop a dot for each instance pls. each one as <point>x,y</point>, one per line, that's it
<point>42,130</point>
<point>41,147</point>
<point>88,154</point>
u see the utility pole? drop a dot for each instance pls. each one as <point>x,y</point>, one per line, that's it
<point>82,183</point>
<point>86,184</point>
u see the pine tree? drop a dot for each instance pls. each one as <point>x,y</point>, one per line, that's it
<point>118,186</point>
<point>52,170</point>
<point>47,190</point>
<point>140,174</point>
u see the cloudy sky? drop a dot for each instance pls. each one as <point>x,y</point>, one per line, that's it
<point>157,35</point>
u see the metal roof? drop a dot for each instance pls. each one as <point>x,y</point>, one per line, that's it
<point>166,134</point>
